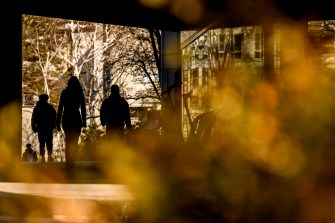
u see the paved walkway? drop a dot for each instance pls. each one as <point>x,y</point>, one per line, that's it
<point>56,193</point>
<point>107,192</point>
<point>64,203</point>
<point>58,172</point>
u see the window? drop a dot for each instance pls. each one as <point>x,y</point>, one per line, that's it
<point>258,45</point>
<point>195,79</point>
<point>221,43</point>
<point>238,38</point>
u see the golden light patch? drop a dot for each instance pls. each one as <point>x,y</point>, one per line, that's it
<point>156,4</point>
<point>189,11</point>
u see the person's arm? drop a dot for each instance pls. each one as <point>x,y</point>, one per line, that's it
<point>127,115</point>
<point>54,116</point>
<point>60,112</point>
<point>33,121</point>
<point>103,113</point>
<point>83,111</point>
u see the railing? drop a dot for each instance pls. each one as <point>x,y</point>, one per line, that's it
<point>209,125</point>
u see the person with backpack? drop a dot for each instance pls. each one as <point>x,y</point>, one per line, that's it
<point>43,122</point>
<point>29,155</point>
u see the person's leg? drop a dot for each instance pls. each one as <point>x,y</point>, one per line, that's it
<point>119,135</point>
<point>67,144</point>
<point>71,145</point>
<point>114,134</point>
<point>41,139</point>
<point>75,146</point>
<point>49,144</point>
<point>110,133</point>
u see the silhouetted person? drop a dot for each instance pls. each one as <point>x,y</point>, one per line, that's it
<point>29,155</point>
<point>115,114</point>
<point>43,122</point>
<point>72,117</point>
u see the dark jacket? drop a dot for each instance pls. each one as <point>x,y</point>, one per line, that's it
<point>44,117</point>
<point>71,110</point>
<point>115,112</point>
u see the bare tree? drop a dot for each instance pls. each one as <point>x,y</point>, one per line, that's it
<point>42,40</point>
<point>95,47</point>
<point>137,56</point>
<point>100,55</point>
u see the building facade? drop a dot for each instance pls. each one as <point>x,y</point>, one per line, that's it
<point>222,62</point>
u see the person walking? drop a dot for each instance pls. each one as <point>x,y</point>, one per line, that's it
<point>43,122</point>
<point>71,116</point>
<point>115,114</point>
